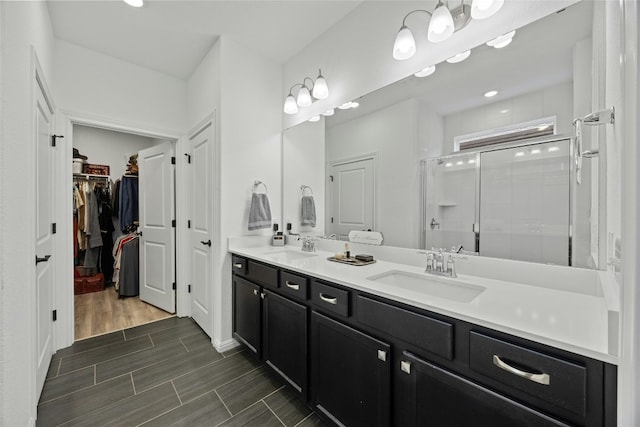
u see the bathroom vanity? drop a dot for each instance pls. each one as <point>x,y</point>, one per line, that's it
<point>387,344</point>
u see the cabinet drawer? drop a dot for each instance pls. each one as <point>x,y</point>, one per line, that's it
<point>262,274</point>
<point>330,298</point>
<point>517,368</point>
<point>294,285</point>
<point>238,265</point>
<point>435,336</point>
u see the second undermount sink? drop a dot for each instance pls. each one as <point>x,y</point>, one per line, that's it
<point>429,285</point>
<point>286,255</point>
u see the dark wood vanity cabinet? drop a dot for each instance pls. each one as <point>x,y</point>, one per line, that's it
<point>351,374</point>
<point>363,360</point>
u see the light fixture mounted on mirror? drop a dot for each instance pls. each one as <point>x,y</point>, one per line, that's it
<point>317,89</point>
<point>442,24</point>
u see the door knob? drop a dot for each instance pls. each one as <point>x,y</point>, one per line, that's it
<point>42,259</point>
<point>208,242</point>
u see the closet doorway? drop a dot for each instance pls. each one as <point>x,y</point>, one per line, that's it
<point>124,270</point>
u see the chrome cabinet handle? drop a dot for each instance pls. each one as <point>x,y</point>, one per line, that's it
<point>255,292</point>
<point>238,265</point>
<point>330,300</point>
<point>543,379</point>
<point>292,285</point>
<point>263,295</point>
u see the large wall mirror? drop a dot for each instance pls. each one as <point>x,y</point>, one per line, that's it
<point>383,165</point>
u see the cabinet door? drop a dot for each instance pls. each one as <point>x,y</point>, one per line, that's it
<point>350,374</point>
<point>247,313</point>
<point>285,339</point>
<point>431,396</point>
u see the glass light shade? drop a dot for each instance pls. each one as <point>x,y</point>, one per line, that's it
<point>502,41</point>
<point>441,24</point>
<point>290,106</point>
<point>481,9</point>
<point>314,119</point>
<point>304,97</point>
<point>134,3</point>
<point>426,71</point>
<point>330,112</point>
<point>320,88</point>
<point>459,57</point>
<point>405,45</point>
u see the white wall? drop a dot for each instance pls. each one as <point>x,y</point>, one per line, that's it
<point>392,134</point>
<point>555,100</point>
<point>354,64</point>
<point>22,25</point>
<point>113,90</point>
<point>203,87</point>
<point>107,147</point>
<point>304,164</point>
<point>250,148</point>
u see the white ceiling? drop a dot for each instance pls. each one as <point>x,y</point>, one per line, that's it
<point>173,36</point>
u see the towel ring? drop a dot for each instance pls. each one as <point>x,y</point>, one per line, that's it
<point>306,187</point>
<point>257,183</point>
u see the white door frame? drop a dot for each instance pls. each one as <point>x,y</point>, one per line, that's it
<point>64,327</point>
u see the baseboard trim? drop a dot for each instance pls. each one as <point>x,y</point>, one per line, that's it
<point>222,346</point>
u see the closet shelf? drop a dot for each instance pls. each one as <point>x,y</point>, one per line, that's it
<point>90,176</point>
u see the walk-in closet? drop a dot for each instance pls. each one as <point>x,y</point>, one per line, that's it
<point>107,233</point>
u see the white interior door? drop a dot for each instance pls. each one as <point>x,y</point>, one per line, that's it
<point>44,236</point>
<point>352,206</point>
<point>157,212</point>
<point>201,226</point>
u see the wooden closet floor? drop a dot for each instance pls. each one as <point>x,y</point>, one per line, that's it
<point>97,313</point>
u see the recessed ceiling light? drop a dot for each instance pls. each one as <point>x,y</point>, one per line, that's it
<point>459,57</point>
<point>448,165</point>
<point>472,161</point>
<point>329,112</point>
<point>520,154</point>
<point>426,71</point>
<point>345,106</point>
<point>552,149</point>
<point>314,119</point>
<point>535,151</point>
<point>134,3</point>
<point>491,93</point>
<point>460,163</point>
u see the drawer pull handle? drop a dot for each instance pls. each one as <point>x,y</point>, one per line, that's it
<point>543,379</point>
<point>293,286</point>
<point>255,292</point>
<point>238,265</point>
<point>330,300</point>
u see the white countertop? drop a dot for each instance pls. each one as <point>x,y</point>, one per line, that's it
<point>582,323</point>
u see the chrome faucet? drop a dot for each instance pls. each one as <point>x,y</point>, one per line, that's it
<point>436,264</point>
<point>308,244</point>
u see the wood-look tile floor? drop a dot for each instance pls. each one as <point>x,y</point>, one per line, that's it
<point>97,313</point>
<point>165,373</point>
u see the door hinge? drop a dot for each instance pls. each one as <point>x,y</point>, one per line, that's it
<point>189,288</point>
<point>189,223</point>
<point>331,178</point>
<point>188,157</point>
<point>54,228</point>
<point>173,160</point>
<point>53,139</point>
<point>173,223</point>
<point>331,220</point>
<point>174,286</point>
<point>55,315</point>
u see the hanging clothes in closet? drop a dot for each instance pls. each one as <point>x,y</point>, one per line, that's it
<point>128,201</point>
<point>126,265</point>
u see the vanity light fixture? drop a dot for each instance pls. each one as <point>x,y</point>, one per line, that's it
<point>502,41</point>
<point>330,112</point>
<point>425,72</point>
<point>443,22</point>
<point>459,57</point>
<point>491,94</point>
<point>134,3</point>
<point>317,89</point>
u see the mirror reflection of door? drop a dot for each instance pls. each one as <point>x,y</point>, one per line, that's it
<point>351,185</point>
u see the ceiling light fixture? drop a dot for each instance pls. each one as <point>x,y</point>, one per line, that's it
<point>134,3</point>
<point>355,104</point>
<point>328,113</point>
<point>345,106</point>
<point>314,119</point>
<point>443,22</point>
<point>502,41</point>
<point>491,94</point>
<point>426,71</point>
<point>317,89</point>
<point>459,57</point>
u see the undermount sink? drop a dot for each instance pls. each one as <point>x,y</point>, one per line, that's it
<point>285,255</point>
<point>429,285</point>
